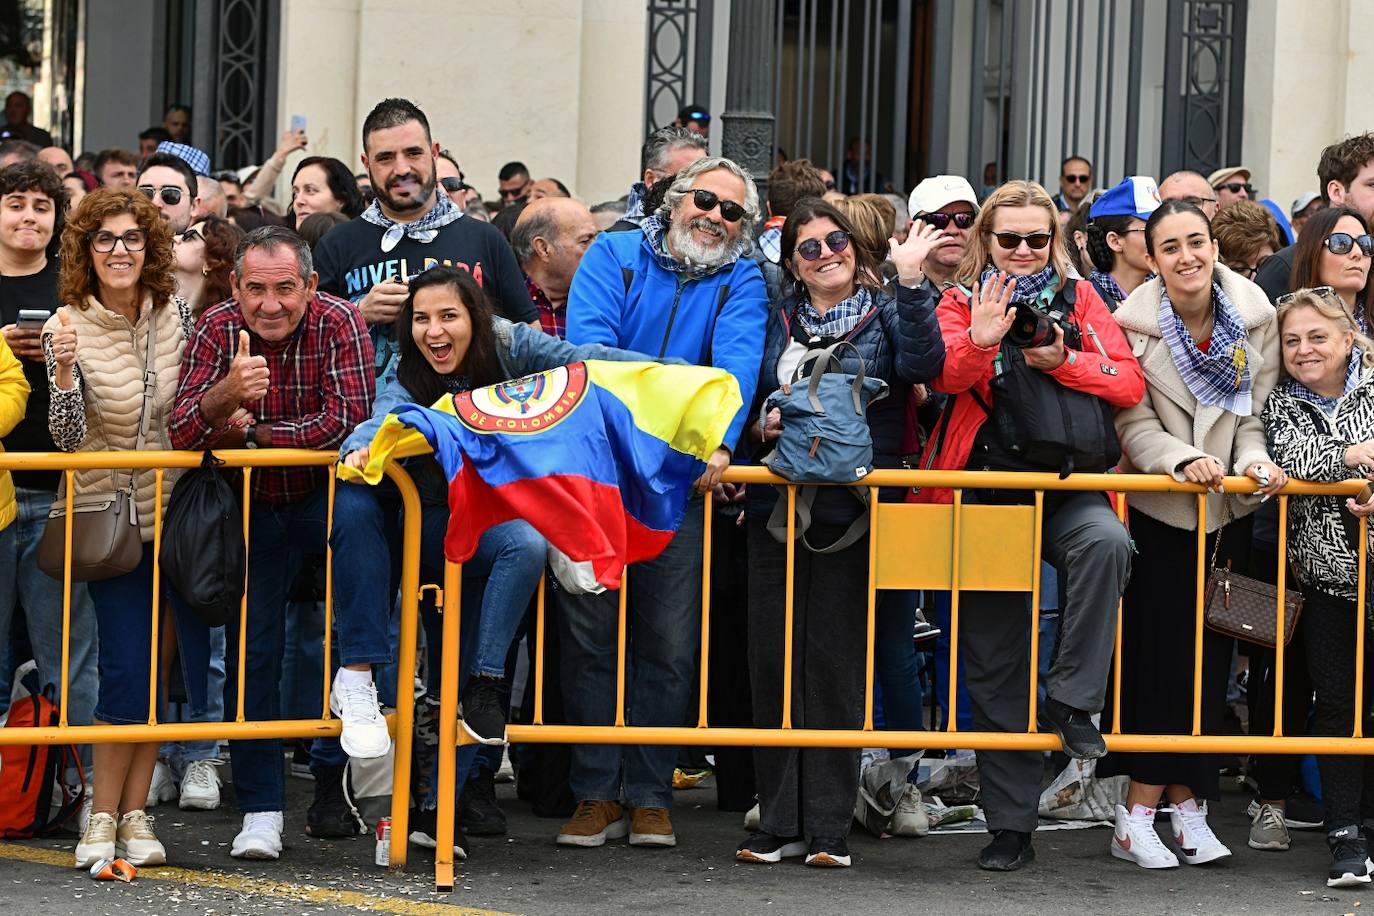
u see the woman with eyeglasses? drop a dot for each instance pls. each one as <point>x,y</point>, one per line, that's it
<point>1015,262</point>
<point>807,795</point>
<point>322,184</point>
<point>1207,341</point>
<point>1246,234</point>
<point>118,288</point>
<point>1320,423</point>
<point>1336,250</point>
<point>204,257</point>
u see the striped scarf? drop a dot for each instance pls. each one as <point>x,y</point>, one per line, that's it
<point>1221,376</point>
<point>1028,288</point>
<point>1328,405</point>
<point>1108,284</point>
<point>839,319</point>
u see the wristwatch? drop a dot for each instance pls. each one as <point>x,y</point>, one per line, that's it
<point>250,436</point>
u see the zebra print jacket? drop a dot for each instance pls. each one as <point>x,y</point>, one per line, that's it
<point>1310,445</point>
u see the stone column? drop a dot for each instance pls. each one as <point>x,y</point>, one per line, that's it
<point>747,122</point>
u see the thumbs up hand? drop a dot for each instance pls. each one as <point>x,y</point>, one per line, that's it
<point>248,375</point>
<point>64,342</point>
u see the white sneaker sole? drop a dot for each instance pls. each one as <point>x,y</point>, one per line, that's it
<point>155,856</point>
<point>255,852</point>
<point>826,860</point>
<point>1126,856</point>
<point>86,856</point>
<point>653,839</point>
<point>1349,879</point>
<point>1271,846</point>
<point>489,742</point>
<point>615,831</point>
<point>426,841</point>
<point>194,803</point>
<point>787,851</point>
<point>1202,858</point>
<point>364,750</point>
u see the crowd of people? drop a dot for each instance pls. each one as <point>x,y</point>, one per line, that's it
<point>1184,328</point>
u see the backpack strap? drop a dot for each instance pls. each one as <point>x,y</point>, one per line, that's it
<point>721,295</point>
<point>806,497</point>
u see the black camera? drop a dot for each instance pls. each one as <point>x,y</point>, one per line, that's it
<point>1034,327</point>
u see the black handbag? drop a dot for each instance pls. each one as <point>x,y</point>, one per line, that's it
<point>203,557</point>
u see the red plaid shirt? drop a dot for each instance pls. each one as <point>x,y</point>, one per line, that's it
<point>321,387</point>
<point>553,321</point>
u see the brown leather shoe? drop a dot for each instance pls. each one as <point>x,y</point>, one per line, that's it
<point>593,823</point>
<point>651,827</point>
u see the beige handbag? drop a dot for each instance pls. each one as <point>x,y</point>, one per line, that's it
<point>106,540</point>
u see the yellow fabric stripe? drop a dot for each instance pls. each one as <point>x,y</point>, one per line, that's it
<point>689,407</point>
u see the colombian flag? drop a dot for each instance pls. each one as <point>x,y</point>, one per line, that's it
<point>598,456</point>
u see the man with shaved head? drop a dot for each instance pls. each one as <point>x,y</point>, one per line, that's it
<point>549,239</point>
<point>1192,187</point>
<point>58,158</point>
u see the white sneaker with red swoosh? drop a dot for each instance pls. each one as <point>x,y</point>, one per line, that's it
<point>1135,839</point>
<point>1197,844</point>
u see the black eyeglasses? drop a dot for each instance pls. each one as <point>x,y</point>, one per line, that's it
<point>1342,242</point>
<point>942,220</point>
<point>1245,270</point>
<point>191,235</point>
<point>1012,240</point>
<point>1078,179</point>
<point>707,201</point>
<point>170,196</point>
<point>1199,201</point>
<point>836,241</point>
<point>1235,187</point>
<point>104,241</point>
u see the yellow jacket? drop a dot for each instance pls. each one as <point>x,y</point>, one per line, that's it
<point>14,397</point>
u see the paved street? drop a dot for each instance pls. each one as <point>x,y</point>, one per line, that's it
<point>526,873</point>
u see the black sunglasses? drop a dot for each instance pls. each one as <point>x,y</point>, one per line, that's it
<point>1079,179</point>
<point>1342,242</point>
<point>830,184</point>
<point>836,241</point>
<point>453,185</point>
<point>707,201</point>
<point>942,220</point>
<point>1235,187</point>
<point>1012,240</point>
<point>1325,292</point>
<point>170,196</point>
<point>512,193</point>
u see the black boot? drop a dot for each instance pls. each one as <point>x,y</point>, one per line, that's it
<point>477,809</point>
<point>330,814</point>
<point>1008,851</point>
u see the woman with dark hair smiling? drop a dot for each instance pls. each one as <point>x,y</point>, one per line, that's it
<point>1335,250</point>
<point>322,184</point>
<point>449,341</point>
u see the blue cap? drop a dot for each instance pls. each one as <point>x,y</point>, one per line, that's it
<point>1136,196</point>
<point>197,160</point>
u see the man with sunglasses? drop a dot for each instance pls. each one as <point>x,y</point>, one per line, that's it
<point>678,288</point>
<point>1232,184</point>
<point>168,182</point>
<point>1075,180</point>
<point>946,202</point>
<point>515,183</point>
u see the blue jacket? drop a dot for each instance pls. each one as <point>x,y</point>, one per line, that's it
<point>521,350</point>
<point>622,297</point>
<point>900,342</point>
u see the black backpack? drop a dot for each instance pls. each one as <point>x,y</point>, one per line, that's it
<point>1041,425</point>
<point>203,556</point>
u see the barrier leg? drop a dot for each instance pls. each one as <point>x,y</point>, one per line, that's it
<point>405,677</point>
<point>448,730</point>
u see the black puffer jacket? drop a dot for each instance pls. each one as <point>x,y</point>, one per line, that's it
<point>900,342</point>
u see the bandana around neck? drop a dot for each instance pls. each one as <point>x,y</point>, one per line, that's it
<point>1028,288</point>
<point>1221,376</point>
<point>423,230</point>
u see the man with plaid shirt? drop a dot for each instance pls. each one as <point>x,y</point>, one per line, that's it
<point>549,239</point>
<point>279,365</point>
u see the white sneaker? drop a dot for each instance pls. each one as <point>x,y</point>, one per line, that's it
<point>260,837</point>
<point>136,842</point>
<point>97,840</point>
<point>163,788</point>
<point>910,818</point>
<point>751,819</point>
<point>83,817</point>
<point>507,771</point>
<point>1135,839</point>
<point>1197,844</point>
<point>364,733</point>
<point>200,786</point>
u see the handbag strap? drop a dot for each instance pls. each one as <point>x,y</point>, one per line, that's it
<point>1226,520</point>
<point>149,384</point>
<point>822,365</point>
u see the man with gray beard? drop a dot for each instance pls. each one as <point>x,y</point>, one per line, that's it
<point>677,287</point>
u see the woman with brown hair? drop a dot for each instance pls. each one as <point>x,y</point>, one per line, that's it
<point>1246,234</point>
<point>121,324</point>
<point>204,259</point>
<point>1016,261</point>
<point>1335,249</point>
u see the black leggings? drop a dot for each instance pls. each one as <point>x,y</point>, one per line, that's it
<point>1347,780</point>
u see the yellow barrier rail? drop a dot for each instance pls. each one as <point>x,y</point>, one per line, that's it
<point>915,546</point>
<point>240,727</point>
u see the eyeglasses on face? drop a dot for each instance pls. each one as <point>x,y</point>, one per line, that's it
<point>1235,187</point>
<point>1012,240</point>
<point>1325,292</point>
<point>837,241</point>
<point>453,185</point>
<point>191,235</point>
<point>171,196</point>
<point>1078,179</point>
<point>104,241</point>
<point>1199,201</point>
<point>1342,242</point>
<point>942,220</point>
<point>707,201</point>
<point>1245,270</point>
<point>513,193</point>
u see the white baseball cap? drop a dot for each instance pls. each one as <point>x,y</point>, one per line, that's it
<point>940,191</point>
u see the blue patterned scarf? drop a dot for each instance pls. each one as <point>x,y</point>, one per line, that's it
<point>656,238</point>
<point>1328,405</point>
<point>1221,376</point>
<point>839,319</point>
<point>1028,288</point>
<point>423,230</point>
<point>1108,284</point>
<point>634,204</point>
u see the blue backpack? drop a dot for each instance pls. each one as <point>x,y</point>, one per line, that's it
<point>825,438</point>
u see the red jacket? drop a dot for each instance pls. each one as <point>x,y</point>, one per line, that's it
<point>1117,378</point>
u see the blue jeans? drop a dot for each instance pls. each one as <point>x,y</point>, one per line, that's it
<point>23,583</point>
<point>123,613</point>
<point>278,538</point>
<point>895,663</point>
<point>179,753</point>
<point>664,639</point>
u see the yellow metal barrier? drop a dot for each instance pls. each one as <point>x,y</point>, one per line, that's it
<point>915,546</point>
<point>240,728</point>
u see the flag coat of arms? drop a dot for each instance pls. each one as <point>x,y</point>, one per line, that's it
<point>599,457</point>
